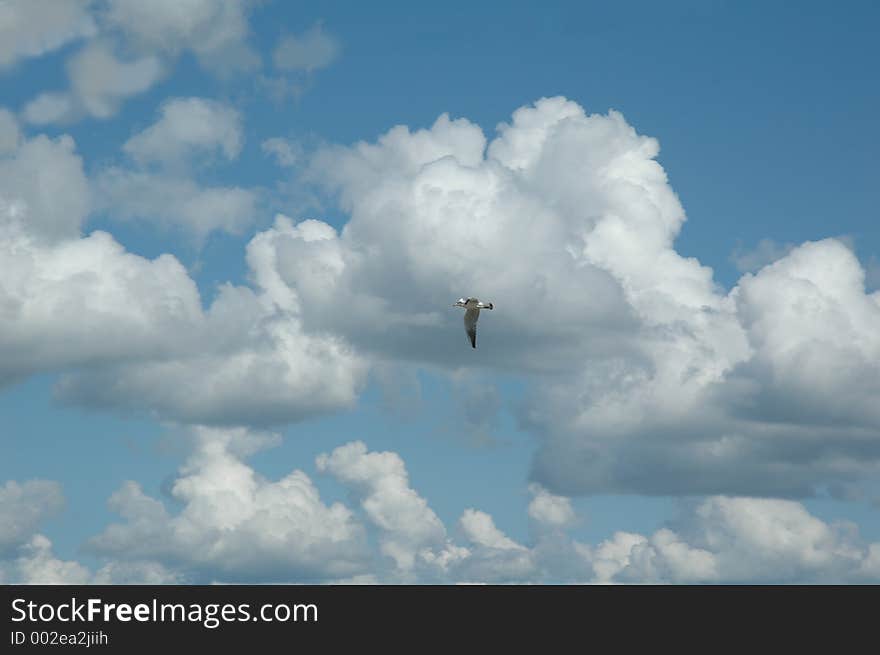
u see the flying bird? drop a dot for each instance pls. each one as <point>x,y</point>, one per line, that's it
<point>472,308</point>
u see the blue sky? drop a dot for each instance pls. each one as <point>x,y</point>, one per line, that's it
<point>654,398</point>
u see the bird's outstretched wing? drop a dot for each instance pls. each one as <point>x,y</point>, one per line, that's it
<point>470,325</point>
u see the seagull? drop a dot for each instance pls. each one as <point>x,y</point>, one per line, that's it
<point>472,308</point>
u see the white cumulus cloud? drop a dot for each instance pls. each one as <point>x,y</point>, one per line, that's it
<point>739,540</point>
<point>648,377</point>
<point>231,524</point>
<point>235,525</point>
<point>407,524</point>
<point>137,326</point>
<point>645,376</point>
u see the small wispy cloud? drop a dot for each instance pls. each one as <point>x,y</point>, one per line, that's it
<point>312,50</point>
<point>765,252</point>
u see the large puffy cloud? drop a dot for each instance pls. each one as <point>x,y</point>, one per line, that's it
<point>30,28</point>
<point>417,547</point>
<point>138,325</point>
<point>87,301</point>
<point>564,212</point>
<point>250,364</point>
<point>814,332</point>
<point>246,361</point>
<point>234,525</point>
<point>649,377</point>
<point>66,300</point>
<point>770,538</point>
<point>794,414</point>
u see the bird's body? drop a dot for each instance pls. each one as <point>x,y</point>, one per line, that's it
<point>472,308</point>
